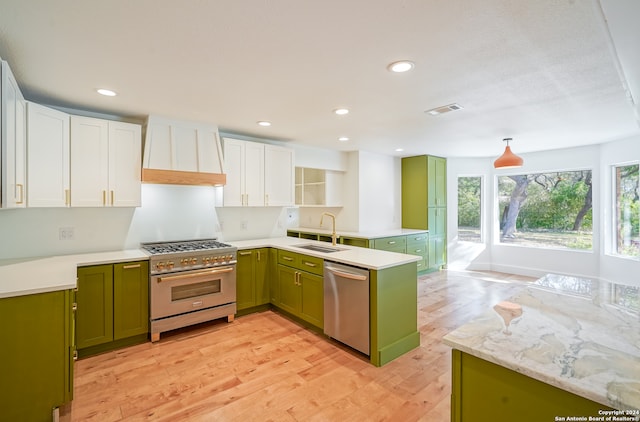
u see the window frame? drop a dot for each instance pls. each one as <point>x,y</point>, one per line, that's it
<point>483,207</point>
<point>613,207</point>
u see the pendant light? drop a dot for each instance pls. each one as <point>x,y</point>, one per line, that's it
<point>508,159</point>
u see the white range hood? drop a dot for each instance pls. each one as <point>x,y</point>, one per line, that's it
<point>179,152</point>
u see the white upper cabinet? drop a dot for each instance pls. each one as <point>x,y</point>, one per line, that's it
<point>13,141</point>
<point>279,176</point>
<point>105,163</point>
<point>47,157</point>
<point>244,166</point>
<point>179,146</point>
<point>258,174</point>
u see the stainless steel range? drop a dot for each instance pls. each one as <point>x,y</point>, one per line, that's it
<point>191,281</point>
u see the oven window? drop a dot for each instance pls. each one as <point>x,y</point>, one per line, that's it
<point>192,290</point>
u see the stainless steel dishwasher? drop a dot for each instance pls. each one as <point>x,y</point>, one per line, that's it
<point>346,305</point>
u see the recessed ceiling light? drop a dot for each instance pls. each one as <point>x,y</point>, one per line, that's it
<point>107,92</point>
<point>399,149</point>
<point>264,123</point>
<point>343,139</point>
<point>341,111</point>
<point>401,66</point>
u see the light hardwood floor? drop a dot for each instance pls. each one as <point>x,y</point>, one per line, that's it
<point>264,367</point>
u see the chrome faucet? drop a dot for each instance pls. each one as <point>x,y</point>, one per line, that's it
<point>334,237</point>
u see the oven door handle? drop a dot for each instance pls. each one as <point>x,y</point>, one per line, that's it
<point>192,275</point>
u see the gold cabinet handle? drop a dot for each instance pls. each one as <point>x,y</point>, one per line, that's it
<point>74,307</point>
<point>245,253</point>
<point>104,198</point>
<point>266,199</point>
<point>287,258</point>
<point>112,197</point>
<point>393,242</point>
<point>21,186</point>
<point>309,264</point>
<point>67,197</point>
<point>258,252</point>
<point>128,267</point>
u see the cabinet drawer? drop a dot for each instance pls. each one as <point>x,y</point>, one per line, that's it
<point>420,250</point>
<point>417,239</point>
<point>290,259</point>
<point>306,263</point>
<point>393,244</point>
<point>311,264</point>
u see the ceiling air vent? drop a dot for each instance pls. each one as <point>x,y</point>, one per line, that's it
<point>444,109</point>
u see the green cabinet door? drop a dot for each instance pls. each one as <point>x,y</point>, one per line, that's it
<point>245,283</point>
<point>312,298</point>
<point>130,299</point>
<point>414,192</point>
<point>113,306</point>
<point>94,317</point>
<point>289,293</point>
<point>274,286</point>
<point>36,357</point>
<point>437,181</point>
<point>261,275</point>
<point>437,221</point>
<point>252,279</point>
<point>437,251</point>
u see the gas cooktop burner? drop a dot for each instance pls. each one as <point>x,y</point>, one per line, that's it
<point>183,246</point>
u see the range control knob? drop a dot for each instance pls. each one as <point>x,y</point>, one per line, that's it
<point>170,264</point>
<point>194,261</point>
<point>160,265</point>
<point>205,260</point>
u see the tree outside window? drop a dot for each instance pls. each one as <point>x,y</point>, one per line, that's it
<point>469,209</point>
<point>548,210</point>
<point>627,207</point>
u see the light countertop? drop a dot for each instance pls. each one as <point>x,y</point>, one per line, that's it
<point>372,259</point>
<point>27,276</point>
<point>580,335</point>
<point>46,274</point>
<point>362,235</point>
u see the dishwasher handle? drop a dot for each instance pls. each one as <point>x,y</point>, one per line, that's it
<point>343,274</point>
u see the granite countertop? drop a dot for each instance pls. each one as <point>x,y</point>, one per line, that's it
<point>372,259</point>
<point>27,276</point>
<point>580,335</point>
<point>363,235</point>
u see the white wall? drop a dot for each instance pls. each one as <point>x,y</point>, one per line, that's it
<point>535,261</point>
<point>380,194</point>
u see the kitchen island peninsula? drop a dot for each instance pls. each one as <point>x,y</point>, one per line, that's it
<point>393,322</point>
<point>563,348</point>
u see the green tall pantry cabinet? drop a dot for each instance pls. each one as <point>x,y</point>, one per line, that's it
<point>424,202</point>
<point>113,306</point>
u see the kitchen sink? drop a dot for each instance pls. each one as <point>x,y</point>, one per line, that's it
<point>320,248</point>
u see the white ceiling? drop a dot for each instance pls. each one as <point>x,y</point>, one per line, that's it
<point>543,72</point>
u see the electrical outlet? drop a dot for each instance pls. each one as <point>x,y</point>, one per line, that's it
<point>66,233</point>
<point>244,225</point>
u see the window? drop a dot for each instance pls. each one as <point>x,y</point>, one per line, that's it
<point>547,210</point>
<point>469,209</point>
<point>627,210</point>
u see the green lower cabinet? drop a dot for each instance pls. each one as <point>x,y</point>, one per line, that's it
<point>113,306</point>
<point>301,287</point>
<point>252,279</point>
<point>483,391</point>
<point>36,357</point>
<point>274,286</point>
